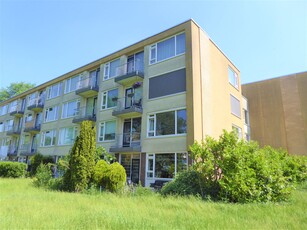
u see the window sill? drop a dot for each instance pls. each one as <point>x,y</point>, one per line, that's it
<point>167,136</point>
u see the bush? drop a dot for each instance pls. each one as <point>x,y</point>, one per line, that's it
<point>116,177</point>
<point>239,171</point>
<point>43,176</point>
<point>188,182</point>
<point>101,171</point>
<point>12,169</point>
<point>38,159</point>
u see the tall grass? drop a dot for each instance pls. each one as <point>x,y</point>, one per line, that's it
<point>23,206</point>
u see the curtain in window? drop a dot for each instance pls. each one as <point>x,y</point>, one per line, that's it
<point>166,49</point>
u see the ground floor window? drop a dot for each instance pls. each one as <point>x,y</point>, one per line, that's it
<point>165,165</point>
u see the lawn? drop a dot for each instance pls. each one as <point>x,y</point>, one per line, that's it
<point>23,206</point>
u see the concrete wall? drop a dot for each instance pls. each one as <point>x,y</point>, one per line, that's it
<point>278,112</point>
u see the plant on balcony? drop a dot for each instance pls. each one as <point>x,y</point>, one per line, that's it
<point>137,84</point>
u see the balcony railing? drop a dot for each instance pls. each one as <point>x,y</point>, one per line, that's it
<point>13,130</point>
<point>12,150</point>
<point>130,72</point>
<point>85,113</point>
<point>36,104</point>
<point>17,110</point>
<point>128,106</point>
<point>28,149</point>
<point>32,127</point>
<point>88,87</point>
<point>127,142</point>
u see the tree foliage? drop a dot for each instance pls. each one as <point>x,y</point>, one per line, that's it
<point>82,159</point>
<point>14,89</point>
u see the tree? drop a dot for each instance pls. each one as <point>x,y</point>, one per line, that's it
<point>82,159</point>
<point>14,89</point>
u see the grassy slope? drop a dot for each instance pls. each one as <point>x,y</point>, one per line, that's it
<point>24,206</point>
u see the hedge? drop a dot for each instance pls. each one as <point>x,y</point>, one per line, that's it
<point>12,169</point>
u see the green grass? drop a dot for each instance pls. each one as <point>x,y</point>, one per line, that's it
<point>23,206</point>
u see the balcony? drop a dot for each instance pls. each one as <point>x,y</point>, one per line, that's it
<point>28,150</point>
<point>13,130</point>
<point>32,127</point>
<point>87,87</point>
<point>36,104</point>
<point>127,107</point>
<point>85,114</point>
<point>130,72</point>
<point>127,142</point>
<point>12,151</point>
<point>17,110</point>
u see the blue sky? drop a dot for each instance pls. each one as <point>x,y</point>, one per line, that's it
<point>41,40</point>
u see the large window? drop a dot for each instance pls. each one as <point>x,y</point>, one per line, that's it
<point>48,138</point>
<point>67,135</point>
<point>107,131</point>
<point>51,114</point>
<point>70,108</point>
<point>54,90</point>
<point>233,77</point>
<point>168,48</point>
<point>71,84</point>
<point>235,106</point>
<point>167,123</point>
<point>165,165</point>
<point>3,110</point>
<point>110,69</point>
<point>109,99</point>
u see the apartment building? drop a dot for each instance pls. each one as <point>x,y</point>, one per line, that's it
<point>148,101</point>
<point>278,112</point>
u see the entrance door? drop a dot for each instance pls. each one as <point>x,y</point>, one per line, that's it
<point>135,170</point>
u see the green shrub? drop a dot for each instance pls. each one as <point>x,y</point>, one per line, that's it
<point>12,169</point>
<point>43,176</point>
<point>188,182</point>
<point>38,159</point>
<point>116,177</point>
<point>239,171</point>
<point>101,171</point>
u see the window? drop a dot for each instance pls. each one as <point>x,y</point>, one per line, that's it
<point>168,48</point>
<point>246,117</point>
<point>165,165</point>
<point>28,117</point>
<point>110,69</point>
<point>237,130</point>
<point>235,106</point>
<point>67,135</point>
<point>167,123</point>
<point>1,127</point>
<point>13,106</point>
<point>51,114</point>
<point>3,110</point>
<point>9,125</point>
<point>48,138</point>
<point>71,84</point>
<point>233,77</point>
<point>107,131</point>
<point>108,99</point>
<point>54,90</point>
<point>70,108</point>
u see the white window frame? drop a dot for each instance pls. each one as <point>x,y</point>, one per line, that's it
<point>59,89</point>
<point>234,76</point>
<point>106,69</point>
<point>62,135</point>
<point>104,99</point>
<point>68,84</point>
<point>153,116</point>
<point>104,131</point>
<point>153,50</point>
<point>238,130</point>
<point>43,138</point>
<point>56,116</point>
<point>64,110</point>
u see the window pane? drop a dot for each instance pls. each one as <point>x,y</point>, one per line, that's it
<point>182,162</point>
<point>166,49</point>
<point>232,77</point>
<point>113,67</point>
<point>112,94</point>
<point>73,83</point>
<point>165,165</point>
<point>165,123</point>
<point>101,132</point>
<point>110,130</point>
<point>180,44</point>
<point>181,121</point>
<point>235,106</point>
